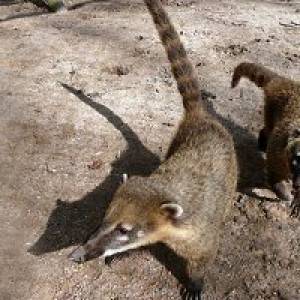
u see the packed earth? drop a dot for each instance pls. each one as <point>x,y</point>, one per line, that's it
<point>87,96</point>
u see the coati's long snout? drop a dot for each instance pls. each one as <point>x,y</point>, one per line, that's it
<point>107,241</point>
<point>94,246</point>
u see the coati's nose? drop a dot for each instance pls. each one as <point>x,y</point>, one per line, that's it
<point>83,253</point>
<point>79,255</point>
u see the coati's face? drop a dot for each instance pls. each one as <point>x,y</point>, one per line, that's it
<point>130,223</point>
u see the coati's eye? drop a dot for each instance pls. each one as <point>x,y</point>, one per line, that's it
<point>124,228</point>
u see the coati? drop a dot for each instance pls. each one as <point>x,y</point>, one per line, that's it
<point>185,201</point>
<point>280,136</point>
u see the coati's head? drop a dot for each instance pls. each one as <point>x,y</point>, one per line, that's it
<point>130,222</point>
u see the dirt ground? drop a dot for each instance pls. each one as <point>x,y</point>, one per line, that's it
<point>87,95</point>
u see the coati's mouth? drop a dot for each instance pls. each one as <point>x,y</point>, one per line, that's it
<point>105,242</point>
<point>81,255</point>
<point>78,255</point>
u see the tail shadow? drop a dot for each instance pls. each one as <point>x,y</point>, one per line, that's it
<point>45,10</point>
<point>25,15</point>
<point>71,223</point>
<point>8,2</point>
<point>250,160</point>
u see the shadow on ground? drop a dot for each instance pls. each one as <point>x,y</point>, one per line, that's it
<point>25,15</point>
<point>8,2</point>
<point>111,6</point>
<point>71,223</point>
<point>250,160</point>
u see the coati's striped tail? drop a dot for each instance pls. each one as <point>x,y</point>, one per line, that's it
<point>183,71</point>
<point>258,74</point>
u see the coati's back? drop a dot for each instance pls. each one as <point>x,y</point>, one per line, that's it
<point>201,159</point>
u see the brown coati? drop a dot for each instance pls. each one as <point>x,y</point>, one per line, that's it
<point>280,137</point>
<point>184,203</point>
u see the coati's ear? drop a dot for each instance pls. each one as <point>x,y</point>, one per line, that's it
<point>172,210</point>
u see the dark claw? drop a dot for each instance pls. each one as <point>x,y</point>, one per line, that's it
<point>78,255</point>
<point>190,294</point>
<point>183,293</point>
<point>199,296</point>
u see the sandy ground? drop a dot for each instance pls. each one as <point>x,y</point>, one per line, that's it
<point>63,152</point>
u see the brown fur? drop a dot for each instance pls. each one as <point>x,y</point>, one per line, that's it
<point>198,176</point>
<point>281,121</point>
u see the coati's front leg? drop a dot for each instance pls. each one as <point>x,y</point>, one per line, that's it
<point>278,171</point>
<point>296,205</point>
<point>283,162</point>
<point>295,168</point>
<point>195,272</point>
<point>193,286</point>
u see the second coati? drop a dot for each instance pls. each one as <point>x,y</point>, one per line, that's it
<point>280,137</point>
<point>185,201</point>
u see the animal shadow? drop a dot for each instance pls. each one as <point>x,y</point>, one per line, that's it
<point>250,160</point>
<point>24,15</point>
<point>71,223</point>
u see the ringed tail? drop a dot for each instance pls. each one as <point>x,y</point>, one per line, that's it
<point>256,73</point>
<point>182,69</point>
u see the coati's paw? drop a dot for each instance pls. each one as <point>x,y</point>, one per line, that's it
<point>262,141</point>
<point>193,291</point>
<point>295,208</point>
<point>282,191</point>
<point>191,294</point>
<point>78,255</point>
